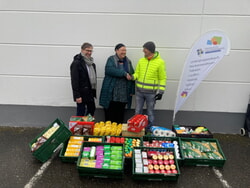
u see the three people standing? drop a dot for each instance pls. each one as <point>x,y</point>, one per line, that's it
<point>118,85</point>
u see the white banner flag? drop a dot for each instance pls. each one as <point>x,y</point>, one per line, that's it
<point>207,51</point>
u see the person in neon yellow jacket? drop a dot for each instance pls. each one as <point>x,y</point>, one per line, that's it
<point>150,80</point>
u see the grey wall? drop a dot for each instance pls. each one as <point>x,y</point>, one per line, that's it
<point>42,116</point>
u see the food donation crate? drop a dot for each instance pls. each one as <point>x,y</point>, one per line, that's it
<point>202,152</point>
<point>71,148</point>
<point>164,142</point>
<point>44,145</point>
<point>156,164</point>
<point>189,131</point>
<point>104,160</point>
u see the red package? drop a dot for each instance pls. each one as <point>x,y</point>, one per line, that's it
<point>117,140</point>
<point>81,128</point>
<point>137,123</point>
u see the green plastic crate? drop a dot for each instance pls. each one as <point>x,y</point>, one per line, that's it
<point>203,161</point>
<point>155,177</point>
<point>151,138</point>
<point>99,172</point>
<point>140,138</point>
<point>45,151</point>
<point>68,159</point>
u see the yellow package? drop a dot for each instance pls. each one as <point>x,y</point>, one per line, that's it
<point>75,146</point>
<point>71,154</point>
<point>73,150</point>
<point>102,132</point>
<point>119,129</point>
<point>81,138</point>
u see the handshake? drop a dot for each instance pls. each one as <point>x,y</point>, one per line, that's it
<point>129,77</point>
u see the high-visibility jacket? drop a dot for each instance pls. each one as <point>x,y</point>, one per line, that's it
<point>150,75</point>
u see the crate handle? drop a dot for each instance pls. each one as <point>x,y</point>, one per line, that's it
<point>101,176</point>
<point>154,179</point>
<point>53,141</point>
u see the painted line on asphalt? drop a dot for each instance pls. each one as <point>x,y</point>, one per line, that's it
<point>220,177</point>
<point>38,175</point>
<point>42,169</point>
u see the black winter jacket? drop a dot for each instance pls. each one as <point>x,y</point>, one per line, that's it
<point>80,80</point>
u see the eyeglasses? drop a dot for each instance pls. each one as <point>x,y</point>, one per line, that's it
<point>89,51</point>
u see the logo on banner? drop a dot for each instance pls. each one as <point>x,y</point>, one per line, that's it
<point>214,41</point>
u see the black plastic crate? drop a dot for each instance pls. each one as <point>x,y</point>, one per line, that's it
<point>191,135</point>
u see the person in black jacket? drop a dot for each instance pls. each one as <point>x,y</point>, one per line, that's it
<point>83,81</point>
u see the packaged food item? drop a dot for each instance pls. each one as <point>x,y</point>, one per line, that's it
<point>42,139</point>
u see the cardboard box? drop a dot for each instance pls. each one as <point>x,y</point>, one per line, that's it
<point>125,132</point>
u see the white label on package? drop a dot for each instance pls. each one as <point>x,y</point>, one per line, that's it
<point>137,151</point>
<point>145,169</point>
<point>138,165</point>
<point>138,170</point>
<point>138,161</point>
<point>145,162</point>
<point>137,156</point>
<point>144,155</point>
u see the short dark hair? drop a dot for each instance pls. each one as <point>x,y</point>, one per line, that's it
<point>86,45</point>
<point>118,46</point>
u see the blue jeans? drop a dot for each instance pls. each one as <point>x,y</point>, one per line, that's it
<point>150,104</point>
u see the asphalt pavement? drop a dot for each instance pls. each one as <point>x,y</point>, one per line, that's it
<point>18,168</point>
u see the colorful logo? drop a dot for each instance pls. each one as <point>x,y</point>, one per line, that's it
<point>199,52</point>
<point>184,94</point>
<point>214,41</point>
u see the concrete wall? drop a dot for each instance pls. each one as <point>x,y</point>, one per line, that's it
<point>39,38</point>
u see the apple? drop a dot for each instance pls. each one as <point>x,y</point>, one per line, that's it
<point>157,171</point>
<point>163,171</point>
<point>150,161</point>
<point>168,171</point>
<point>174,171</point>
<point>160,162</point>
<point>151,171</point>
<point>165,162</point>
<point>155,162</point>
<point>171,161</point>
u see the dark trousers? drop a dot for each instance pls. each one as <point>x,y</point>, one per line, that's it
<point>115,112</point>
<point>84,109</point>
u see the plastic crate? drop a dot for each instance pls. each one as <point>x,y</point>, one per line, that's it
<point>140,138</point>
<point>152,138</point>
<point>68,159</point>
<point>45,151</point>
<point>100,172</point>
<point>202,161</point>
<point>155,177</point>
<point>187,135</point>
